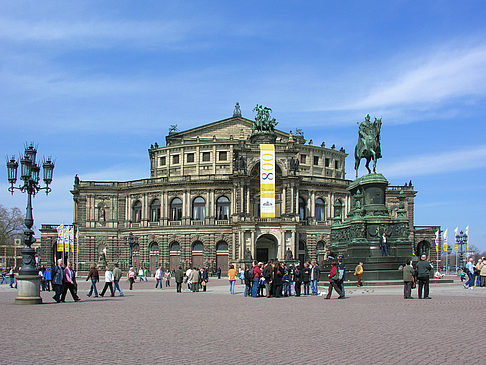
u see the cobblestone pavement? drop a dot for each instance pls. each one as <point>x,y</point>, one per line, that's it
<point>147,325</point>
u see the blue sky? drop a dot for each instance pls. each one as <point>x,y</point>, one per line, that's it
<point>95,83</point>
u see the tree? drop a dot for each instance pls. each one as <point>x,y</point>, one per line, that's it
<point>11,224</point>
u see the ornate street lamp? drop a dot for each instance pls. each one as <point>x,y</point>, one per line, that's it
<point>461,240</point>
<point>132,242</point>
<point>28,280</point>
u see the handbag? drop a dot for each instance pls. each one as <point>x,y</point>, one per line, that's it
<point>414,282</point>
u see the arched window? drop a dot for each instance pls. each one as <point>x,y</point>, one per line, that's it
<point>198,209</point>
<point>222,246</point>
<point>176,209</point>
<point>222,208</point>
<point>155,210</point>
<point>101,213</point>
<point>174,247</point>
<point>137,211</point>
<point>320,210</point>
<point>198,246</point>
<point>302,209</point>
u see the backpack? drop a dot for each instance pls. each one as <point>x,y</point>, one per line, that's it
<point>251,275</point>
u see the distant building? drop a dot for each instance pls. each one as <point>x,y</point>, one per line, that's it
<point>200,205</point>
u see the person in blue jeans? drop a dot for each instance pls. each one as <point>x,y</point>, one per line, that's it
<point>95,277</point>
<point>248,282</point>
<point>314,278</point>
<point>286,284</point>
<point>257,273</point>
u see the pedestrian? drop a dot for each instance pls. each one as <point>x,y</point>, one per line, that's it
<point>423,274</point>
<point>117,275</point>
<point>131,277</point>
<point>383,245</point>
<point>277,279</point>
<point>342,273</point>
<point>95,277</point>
<point>145,271</point>
<point>408,279</point>
<point>306,273</point>
<point>314,277</point>
<point>69,283</point>
<point>11,275</point>
<point>292,279</point>
<point>179,277</point>
<point>333,282</point>
<point>482,272</point>
<point>4,277</point>
<point>477,271</point>
<point>108,282</point>
<point>241,275</point>
<point>358,271</point>
<point>218,272</point>
<point>158,278</point>
<point>203,273</point>
<point>256,273</point>
<point>232,278</point>
<point>188,280</point>
<point>286,284</point>
<point>167,276</point>
<point>195,278</point>
<point>140,274</point>
<point>268,275</point>
<point>57,280</point>
<point>48,277</point>
<point>42,271</point>
<point>297,279</point>
<point>469,269</point>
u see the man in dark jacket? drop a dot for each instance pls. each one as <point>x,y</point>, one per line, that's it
<point>268,275</point>
<point>306,275</point>
<point>423,275</point>
<point>57,280</point>
<point>297,279</point>
<point>179,276</point>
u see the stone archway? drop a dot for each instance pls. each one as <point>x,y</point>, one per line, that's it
<point>266,248</point>
<point>423,248</point>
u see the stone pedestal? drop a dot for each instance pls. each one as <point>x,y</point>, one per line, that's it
<point>28,289</point>
<point>358,237</point>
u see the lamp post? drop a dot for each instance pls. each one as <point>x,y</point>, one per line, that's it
<point>132,241</point>
<point>28,280</point>
<point>461,240</point>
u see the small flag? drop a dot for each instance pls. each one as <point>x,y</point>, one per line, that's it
<point>60,237</point>
<point>437,238</point>
<point>444,246</point>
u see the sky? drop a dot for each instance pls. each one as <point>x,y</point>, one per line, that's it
<point>93,84</point>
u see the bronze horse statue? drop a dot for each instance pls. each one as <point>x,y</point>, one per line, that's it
<point>368,146</point>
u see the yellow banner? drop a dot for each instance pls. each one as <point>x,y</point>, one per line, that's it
<point>444,247</point>
<point>267,181</point>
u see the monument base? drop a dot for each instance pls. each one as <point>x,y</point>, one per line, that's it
<point>28,289</point>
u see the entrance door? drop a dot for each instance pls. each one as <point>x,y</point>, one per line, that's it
<point>262,254</point>
<point>175,261</point>
<point>222,262</point>
<point>154,263</point>
<point>197,260</point>
<point>266,248</point>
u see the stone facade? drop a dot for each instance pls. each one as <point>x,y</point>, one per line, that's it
<point>200,205</point>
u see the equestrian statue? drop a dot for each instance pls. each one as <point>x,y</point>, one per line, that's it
<point>368,146</point>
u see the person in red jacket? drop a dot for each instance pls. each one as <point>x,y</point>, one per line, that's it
<point>333,279</point>
<point>256,279</point>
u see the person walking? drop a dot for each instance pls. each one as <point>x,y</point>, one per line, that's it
<point>179,277</point>
<point>158,278</point>
<point>58,280</point>
<point>167,276</point>
<point>241,275</point>
<point>470,274</point>
<point>108,282</point>
<point>315,273</point>
<point>482,272</point>
<point>342,273</point>
<point>95,277</point>
<point>218,272</point>
<point>131,277</point>
<point>69,283</point>
<point>477,272</point>
<point>333,282</point>
<point>140,274</point>
<point>423,274</point>
<point>117,275</point>
<point>4,277</point>
<point>232,278</point>
<point>408,276</point>
<point>358,271</point>
<point>11,275</point>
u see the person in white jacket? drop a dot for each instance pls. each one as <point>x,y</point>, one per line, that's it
<point>108,282</point>
<point>158,278</point>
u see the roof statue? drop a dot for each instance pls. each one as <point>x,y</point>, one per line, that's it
<point>237,111</point>
<point>368,146</point>
<point>263,122</point>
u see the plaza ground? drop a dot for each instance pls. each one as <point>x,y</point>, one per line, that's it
<point>147,325</point>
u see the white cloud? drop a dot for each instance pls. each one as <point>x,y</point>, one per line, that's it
<point>436,163</point>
